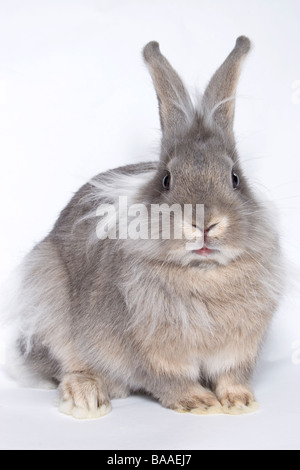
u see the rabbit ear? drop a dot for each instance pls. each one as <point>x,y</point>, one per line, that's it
<point>175,105</point>
<point>219,97</point>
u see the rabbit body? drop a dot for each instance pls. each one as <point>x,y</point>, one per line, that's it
<point>107,317</point>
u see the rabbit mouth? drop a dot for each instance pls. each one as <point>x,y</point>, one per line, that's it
<point>205,251</point>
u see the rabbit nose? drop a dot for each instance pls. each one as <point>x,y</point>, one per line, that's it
<point>207,230</point>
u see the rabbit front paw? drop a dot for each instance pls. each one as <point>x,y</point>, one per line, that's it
<point>237,399</point>
<point>83,396</point>
<point>200,402</point>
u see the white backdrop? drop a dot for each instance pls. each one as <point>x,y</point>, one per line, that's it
<point>76,99</point>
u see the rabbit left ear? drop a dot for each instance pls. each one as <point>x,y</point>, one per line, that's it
<point>219,97</point>
<point>175,105</point>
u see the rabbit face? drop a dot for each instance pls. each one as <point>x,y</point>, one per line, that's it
<point>203,171</point>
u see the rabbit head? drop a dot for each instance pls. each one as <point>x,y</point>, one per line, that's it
<point>199,162</point>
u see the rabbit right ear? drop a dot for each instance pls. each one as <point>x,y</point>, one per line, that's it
<point>219,96</point>
<point>175,105</point>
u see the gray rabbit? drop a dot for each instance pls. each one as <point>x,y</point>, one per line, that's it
<point>106,317</point>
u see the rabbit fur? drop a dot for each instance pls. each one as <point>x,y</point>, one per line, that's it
<point>104,318</point>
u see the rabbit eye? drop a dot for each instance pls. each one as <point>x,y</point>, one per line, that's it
<point>166,181</point>
<point>235,180</point>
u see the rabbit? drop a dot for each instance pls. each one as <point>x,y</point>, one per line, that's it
<point>106,317</point>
